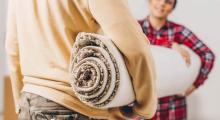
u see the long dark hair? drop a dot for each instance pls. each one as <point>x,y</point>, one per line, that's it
<point>174,5</point>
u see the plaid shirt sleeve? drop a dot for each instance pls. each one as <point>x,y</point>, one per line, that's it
<point>207,57</point>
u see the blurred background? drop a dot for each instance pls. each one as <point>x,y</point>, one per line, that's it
<point>201,16</point>
<point>3,6</point>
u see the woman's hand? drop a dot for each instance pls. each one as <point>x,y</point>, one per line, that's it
<point>184,53</point>
<point>188,91</point>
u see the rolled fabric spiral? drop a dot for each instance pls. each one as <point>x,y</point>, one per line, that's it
<point>99,77</point>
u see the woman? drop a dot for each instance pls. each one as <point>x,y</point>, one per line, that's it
<point>163,32</point>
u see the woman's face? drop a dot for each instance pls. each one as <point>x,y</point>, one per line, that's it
<point>161,8</point>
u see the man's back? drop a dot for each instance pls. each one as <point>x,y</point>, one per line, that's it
<point>45,33</point>
<point>39,40</point>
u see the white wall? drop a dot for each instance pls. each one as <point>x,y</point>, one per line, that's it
<point>2,55</point>
<point>202,17</point>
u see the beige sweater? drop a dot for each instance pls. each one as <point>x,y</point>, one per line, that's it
<point>40,34</point>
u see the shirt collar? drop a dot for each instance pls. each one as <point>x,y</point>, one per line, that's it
<point>148,25</point>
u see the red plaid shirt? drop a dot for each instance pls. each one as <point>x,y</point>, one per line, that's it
<point>172,32</point>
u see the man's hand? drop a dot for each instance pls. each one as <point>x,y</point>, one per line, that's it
<point>128,112</point>
<point>184,53</point>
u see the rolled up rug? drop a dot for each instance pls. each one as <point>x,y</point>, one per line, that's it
<point>173,75</point>
<point>99,76</point>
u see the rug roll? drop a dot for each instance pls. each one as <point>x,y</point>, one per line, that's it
<point>173,74</point>
<point>98,73</point>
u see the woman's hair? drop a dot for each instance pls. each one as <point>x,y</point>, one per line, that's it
<point>174,5</point>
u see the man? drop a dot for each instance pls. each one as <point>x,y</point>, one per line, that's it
<point>40,34</point>
<point>163,32</point>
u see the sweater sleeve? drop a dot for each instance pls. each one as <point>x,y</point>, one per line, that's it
<point>118,23</point>
<point>12,53</point>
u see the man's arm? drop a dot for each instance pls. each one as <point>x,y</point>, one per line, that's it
<point>118,23</point>
<point>12,52</point>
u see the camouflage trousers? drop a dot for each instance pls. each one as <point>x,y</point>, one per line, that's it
<point>35,107</point>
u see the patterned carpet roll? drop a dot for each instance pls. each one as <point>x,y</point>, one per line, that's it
<point>99,76</point>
